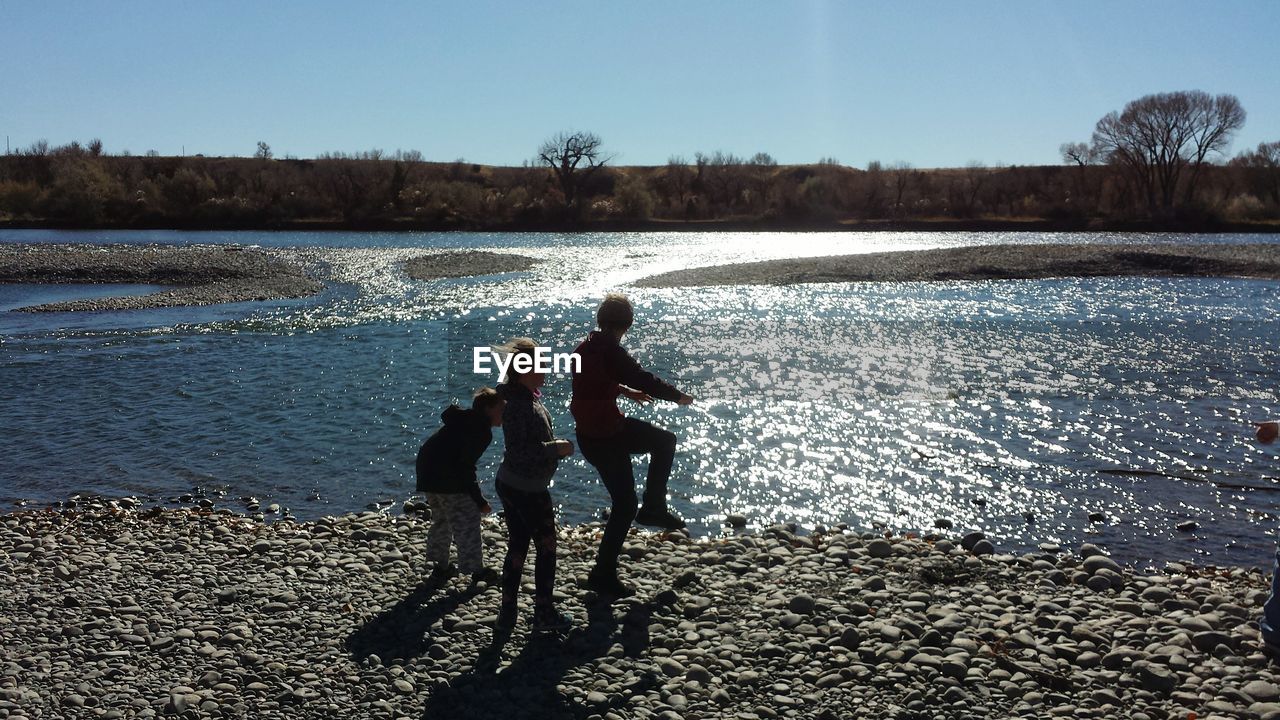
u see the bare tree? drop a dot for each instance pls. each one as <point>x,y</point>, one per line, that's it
<point>974,179</point>
<point>1077,153</point>
<point>1262,169</point>
<point>901,172</point>
<point>874,181</point>
<point>724,178</point>
<point>1164,140</point>
<point>675,182</point>
<point>1084,188</point>
<point>573,158</point>
<point>263,152</point>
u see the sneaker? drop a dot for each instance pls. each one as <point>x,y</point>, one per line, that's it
<point>507,615</point>
<point>610,585</point>
<point>664,519</point>
<point>548,619</point>
<point>487,576</point>
<point>444,571</point>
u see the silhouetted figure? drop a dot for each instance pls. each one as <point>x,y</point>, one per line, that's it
<point>532,455</point>
<point>446,470</point>
<point>608,438</point>
<point>1270,624</point>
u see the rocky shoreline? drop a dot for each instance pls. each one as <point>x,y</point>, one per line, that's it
<point>994,262</point>
<point>466,263</point>
<point>205,275</point>
<point>114,611</point>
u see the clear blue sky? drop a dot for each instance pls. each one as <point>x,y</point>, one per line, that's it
<point>930,83</point>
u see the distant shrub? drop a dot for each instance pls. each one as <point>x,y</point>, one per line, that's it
<point>448,201</point>
<point>80,193</point>
<point>1245,208</point>
<point>186,191</point>
<point>604,208</point>
<point>19,198</point>
<point>634,200</point>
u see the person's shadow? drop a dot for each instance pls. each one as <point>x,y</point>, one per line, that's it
<point>526,687</point>
<point>403,631</point>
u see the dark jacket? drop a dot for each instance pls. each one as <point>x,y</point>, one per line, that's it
<point>605,366</point>
<point>531,454</point>
<point>447,460</point>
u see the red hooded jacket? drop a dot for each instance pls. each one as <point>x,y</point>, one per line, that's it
<point>606,366</point>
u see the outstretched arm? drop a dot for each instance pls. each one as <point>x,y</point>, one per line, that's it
<point>629,373</point>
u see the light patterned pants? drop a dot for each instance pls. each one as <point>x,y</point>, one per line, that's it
<point>454,517</point>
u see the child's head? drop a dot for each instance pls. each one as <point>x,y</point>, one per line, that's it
<point>516,347</point>
<point>615,314</point>
<point>488,401</point>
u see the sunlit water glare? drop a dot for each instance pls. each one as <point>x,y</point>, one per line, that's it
<point>1015,407</point>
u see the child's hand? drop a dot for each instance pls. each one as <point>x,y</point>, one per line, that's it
<point>685,400</point>
<point>486,508</point>
<point>564,447</point>
<point>639,396</point>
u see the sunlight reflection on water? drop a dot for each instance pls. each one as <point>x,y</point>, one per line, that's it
<point>1016,407</point>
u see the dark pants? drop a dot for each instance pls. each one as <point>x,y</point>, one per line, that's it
<point>1270,624</point>
<point>612,458</point>
<point>529,516</point>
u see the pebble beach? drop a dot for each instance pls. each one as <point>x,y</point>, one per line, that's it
<point>111,610</point>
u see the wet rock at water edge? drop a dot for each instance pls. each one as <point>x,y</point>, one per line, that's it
<point>879,548</point>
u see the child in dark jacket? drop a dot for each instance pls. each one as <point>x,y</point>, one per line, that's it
<point>608,438</point>
<point>446,469</point>
<point>524,478</point>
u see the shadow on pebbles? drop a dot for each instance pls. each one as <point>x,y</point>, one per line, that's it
<point>121,613</point>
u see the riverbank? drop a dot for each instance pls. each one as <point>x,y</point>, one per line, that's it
<point>203,275</point>
<point>730,224</point>
<point>993,262</point>
<point>118,613</point>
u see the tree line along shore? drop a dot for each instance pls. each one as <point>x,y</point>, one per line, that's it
<point>1163,163</point>
<point>77,191</point>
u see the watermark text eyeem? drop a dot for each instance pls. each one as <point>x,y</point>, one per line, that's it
<point>484,360</point>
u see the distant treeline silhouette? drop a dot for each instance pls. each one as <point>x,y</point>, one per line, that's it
<point>1161,160</point>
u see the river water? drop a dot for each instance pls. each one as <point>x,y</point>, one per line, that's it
<point>1016,407</point>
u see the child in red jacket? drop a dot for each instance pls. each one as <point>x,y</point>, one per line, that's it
<point>608,439</point>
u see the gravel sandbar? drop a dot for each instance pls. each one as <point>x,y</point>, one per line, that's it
<point>993,262</point>
<point>467,263</point>
<point>204,275</point>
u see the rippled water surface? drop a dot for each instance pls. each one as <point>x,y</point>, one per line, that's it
<point>1016,407</point>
